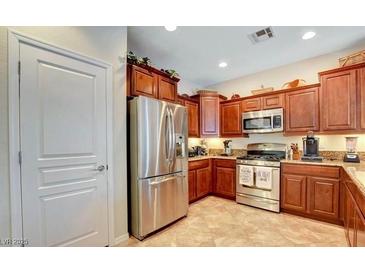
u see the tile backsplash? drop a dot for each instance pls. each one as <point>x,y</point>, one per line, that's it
<point>326,142</point>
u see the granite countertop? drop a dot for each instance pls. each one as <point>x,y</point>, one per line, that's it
<point>196,158</point>
<point>356,171</point>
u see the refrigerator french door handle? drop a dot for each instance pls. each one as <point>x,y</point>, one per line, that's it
<point>173,135</point>
<point>167,135</point>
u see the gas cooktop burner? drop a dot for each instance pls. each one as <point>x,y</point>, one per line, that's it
<point>261,157</point>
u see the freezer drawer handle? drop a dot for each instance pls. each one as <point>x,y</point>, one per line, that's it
<point>157,182</point>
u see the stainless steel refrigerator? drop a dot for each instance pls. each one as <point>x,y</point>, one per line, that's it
<point>158,164</point>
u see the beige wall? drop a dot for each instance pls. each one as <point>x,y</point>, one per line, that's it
<point>104,43</point>
<point>307,70</point>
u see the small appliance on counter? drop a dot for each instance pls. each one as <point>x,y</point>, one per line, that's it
<point>311,148</point>
<point>191,152</point>
<point>227,148</point>
<point>200,151</point>
<point>351,155</point>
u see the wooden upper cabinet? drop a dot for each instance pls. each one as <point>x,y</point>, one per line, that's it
<point>151,82</point>
<point>193,118</point>
<point>324,197</point>
<point>209,116</point>
<point>144,82</point>
<point>180,100</point>
<point>362,97</point>
<point>294,192</point>
<point>302,110</point>
<point>251,104</point>
<point>273,101</point>
<point>167,89</point>
<point>338,100</point>
<point>231,119</point>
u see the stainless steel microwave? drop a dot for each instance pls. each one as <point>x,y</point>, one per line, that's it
<point>263,121</point>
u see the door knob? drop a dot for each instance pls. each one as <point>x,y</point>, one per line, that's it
<point>100,168</point>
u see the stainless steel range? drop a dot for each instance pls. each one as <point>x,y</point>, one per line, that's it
<point>258,176</point>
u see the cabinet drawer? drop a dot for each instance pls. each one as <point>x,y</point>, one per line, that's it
<point>198,164</point>
<point>251,104</point>
<point>311,170</point>
<point>273,101</point>
<point>225,163</point>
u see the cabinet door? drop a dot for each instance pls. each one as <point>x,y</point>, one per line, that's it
<point>167,89</point>
<point>338,101</point>
<point>251,104</point>
<point>349,217</point>
<point>294,192</point>
<point>192,185</point>
<point>225,182</point>
<point>362,97</point>
<point>144,82</point>
<point>231,119</point>
<point>180,101</point>
<point>209,116</point>
<point>273,101</point>
<point>203,182</point>
<point>360,229</point>
<point>193,118</point>
<point>302,110</point>
<point>324,197</point>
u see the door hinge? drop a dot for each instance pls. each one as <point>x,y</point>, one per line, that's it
<point>20,157</point>
<point>19,68</point>
<point>107,167</point>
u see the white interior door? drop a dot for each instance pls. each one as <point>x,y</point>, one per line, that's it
<point>63,142</point>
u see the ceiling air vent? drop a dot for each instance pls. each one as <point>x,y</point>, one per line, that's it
<point>261,35</point>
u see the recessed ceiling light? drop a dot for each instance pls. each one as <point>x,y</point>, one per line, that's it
<point>222,64</point>
<point>308,35</point>
<point>170,28</point>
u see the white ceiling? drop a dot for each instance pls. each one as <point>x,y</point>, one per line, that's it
<point>194,52</point>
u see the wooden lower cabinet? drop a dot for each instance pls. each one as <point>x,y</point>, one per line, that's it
<point>224,178</point>
<point>192,185</point>
<point>360,229</point>
<point>212,176</point>
<point>324,197</point>
<point>203,182</point>
<point>349,217</point>
<point>199,179</point>
<point>354,221</point>
<point>294,192</point>
<point>312,191</point>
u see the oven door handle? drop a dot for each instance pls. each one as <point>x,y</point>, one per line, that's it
<point>256,199</point>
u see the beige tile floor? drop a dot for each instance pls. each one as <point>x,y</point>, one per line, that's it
<point>219,222</point>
